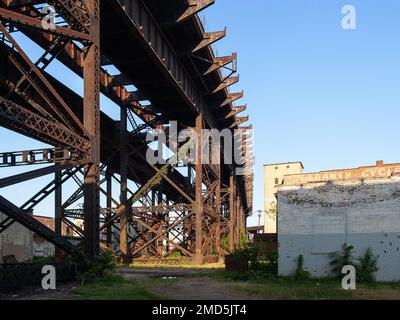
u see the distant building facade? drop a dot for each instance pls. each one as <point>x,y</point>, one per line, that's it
<point>15,241</point>
<point>319,212</point>
<point>42,247</point>
<point>273,176</point>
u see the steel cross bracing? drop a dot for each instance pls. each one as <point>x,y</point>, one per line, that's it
<point>160,212</point>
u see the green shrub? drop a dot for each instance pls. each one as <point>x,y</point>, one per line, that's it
<point>367,267</point>
<point>341,259</point>
<point>300,273</point>
<point>225,243</point>
<point>244,242</point>
<point>102,264</point>
<point>43,260</point>
<point>267,264</point>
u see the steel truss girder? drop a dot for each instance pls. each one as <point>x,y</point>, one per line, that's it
<point>21,120</point>
<point>142,22</point>
<point>30,157</point>
<point>26,21</point>
<point>75,12</point>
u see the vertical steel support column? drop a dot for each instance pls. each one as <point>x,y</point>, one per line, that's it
<point>109,206</point>
<point>160,241</point>
<point>124,185</point>
<point>232,213</point>
<point>91,116</point>
<point>237,227</point>
<point>198,205</point>
<point>218,204</point>
<point>58,207</point>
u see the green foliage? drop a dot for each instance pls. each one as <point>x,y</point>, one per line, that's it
<point>102,264</point>
<point>114,287</point>
<point>248,253</point>
<point>175,255</point>
<point>341,259</point>
<point>43,260</point>
<point>367,267</point>
<point>300,273</point>
<point>243,240</point>
<point>267,264</point>
<point>225,243</point>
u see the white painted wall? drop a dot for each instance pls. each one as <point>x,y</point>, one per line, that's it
<point>317,218</point>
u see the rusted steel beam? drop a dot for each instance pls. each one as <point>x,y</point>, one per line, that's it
<point>78,13</point>
<point>73,57</point>
<point>9,181</point>
<point>232,97</point>
<point>232,208</point>
<point>198,204</point>
<point>21,3</point>
<point>160,51</point>
<point>226,83</point>
<point>218,205</point>
<point>209,39</point>
<point>19,119</point>
<point>44,81</point>
<point>109,205</point>
<point>48,189</point>
<point>194,7</point>
<point>58,212</point>
<point>142,210</point>
<point>235,111</point>
<point>123,147</point>
<point>27,21</point>
<point>32,157</point>
<point>171,227</point>
<point>221,62</point>
<point>91,118</point>
<point>239,121</point>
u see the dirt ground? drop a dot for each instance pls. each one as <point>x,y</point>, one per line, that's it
<point>170,283</point>
<point>184,284</point>
<point>63,292</point>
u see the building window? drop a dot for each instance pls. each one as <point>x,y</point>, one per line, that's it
<point>287,167</point>
<point>276,181</point>
<point>276,168</point>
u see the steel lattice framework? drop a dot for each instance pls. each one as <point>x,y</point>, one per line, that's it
<point>162,50</point>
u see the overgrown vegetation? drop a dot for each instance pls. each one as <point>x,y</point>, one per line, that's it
<point>114,287</point>
<point>365,268</point>
<point>341,259</point>
<point>102,266</point>
<point>43,260</point>
<point>300,273</point>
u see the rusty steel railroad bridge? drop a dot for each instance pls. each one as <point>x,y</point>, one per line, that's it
<point>161,49</point>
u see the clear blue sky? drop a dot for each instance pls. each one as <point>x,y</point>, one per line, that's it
<point>315,92</point>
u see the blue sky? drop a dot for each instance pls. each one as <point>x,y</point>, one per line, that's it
<point>315,92</point>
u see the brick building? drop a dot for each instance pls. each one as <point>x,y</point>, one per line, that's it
<point>319,212</point>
